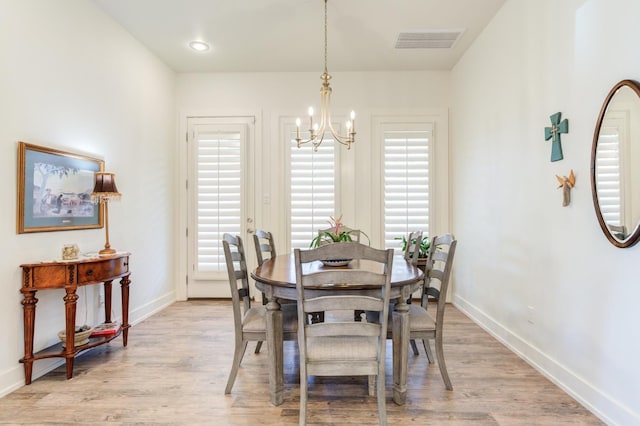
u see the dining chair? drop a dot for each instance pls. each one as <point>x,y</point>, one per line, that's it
<point>411,254</point>
<point>265,249</point>
<point>412,249</point>
<point>249,321</point>
<point>424,325</point>
<point>265,245</point>
<point>340,346</point>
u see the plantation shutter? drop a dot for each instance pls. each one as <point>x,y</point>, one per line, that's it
<point>608,175</point>
<point>219,192</point>
<point>312,189</point>
<point>407,154</point>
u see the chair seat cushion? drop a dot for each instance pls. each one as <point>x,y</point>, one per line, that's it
<point>420,319</point>
<point>335,348</point>
<point>255,319</point>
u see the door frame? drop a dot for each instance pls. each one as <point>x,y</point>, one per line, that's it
<point>182,153</point>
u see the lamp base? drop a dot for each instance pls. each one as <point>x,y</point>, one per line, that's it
<point>106,252</point>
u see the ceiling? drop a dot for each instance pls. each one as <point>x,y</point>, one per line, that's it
<point>288,35</point>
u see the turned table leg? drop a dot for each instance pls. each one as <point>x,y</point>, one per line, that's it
<point>70,300</point>
<point>29,312</point>
<point>107,301</point>
<point>275,347</point>
<point>401,339</point>
<point>124,288</point>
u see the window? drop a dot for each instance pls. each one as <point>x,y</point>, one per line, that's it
<point>313,188</point>
<point>401,192</point>
<point>406,160</point>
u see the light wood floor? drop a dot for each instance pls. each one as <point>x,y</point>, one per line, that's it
<point>175,369</point>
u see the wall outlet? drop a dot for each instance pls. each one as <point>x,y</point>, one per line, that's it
<point>530,314</point>
<point>101,299</point>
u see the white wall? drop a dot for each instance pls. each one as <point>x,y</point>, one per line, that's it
<point>275,96</point>
<point>542,277</point>
<point>72,79</point>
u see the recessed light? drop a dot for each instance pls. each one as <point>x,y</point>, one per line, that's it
<point>199,46</point>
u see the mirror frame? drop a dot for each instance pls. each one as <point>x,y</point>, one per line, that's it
<point>635,236</point>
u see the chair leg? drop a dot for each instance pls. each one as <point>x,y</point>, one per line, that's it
<point>258,346</point>
<point>414,347</point>
<point>427,349</point>
<point>382,407</point>
<point>303,398</point>
<point>238,353</point>
<point>441,364</point>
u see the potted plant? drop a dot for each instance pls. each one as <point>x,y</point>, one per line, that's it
<point>337,233</point>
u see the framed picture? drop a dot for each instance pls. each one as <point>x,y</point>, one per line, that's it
<point>54,190</point>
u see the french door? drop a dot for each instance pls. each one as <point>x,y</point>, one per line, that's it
<point>220,194</point>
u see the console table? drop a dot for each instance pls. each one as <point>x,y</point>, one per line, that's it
<point>70,275</point>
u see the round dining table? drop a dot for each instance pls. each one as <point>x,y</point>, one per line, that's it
<point>276,278</point>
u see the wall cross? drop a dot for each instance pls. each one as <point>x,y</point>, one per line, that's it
<point>557,127</point>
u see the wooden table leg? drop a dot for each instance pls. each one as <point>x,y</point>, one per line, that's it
<point>29,313</point>
<point>124,287</point>
<point>275,347</point>
<point>70,300</point>
<point>400,349</point>
<point>107,301</point>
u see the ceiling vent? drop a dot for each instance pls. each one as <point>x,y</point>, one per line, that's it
<point>440,39</point>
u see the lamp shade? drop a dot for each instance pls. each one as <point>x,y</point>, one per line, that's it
<point>105,187</point>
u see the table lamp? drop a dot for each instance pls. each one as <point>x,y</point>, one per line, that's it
<point>105,190</point>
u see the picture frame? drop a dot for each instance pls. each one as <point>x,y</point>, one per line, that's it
<point>54,190</point>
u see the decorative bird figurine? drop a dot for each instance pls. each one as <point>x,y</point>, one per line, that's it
<point>566,183</point>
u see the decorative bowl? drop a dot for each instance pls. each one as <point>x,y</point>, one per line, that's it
<point>81,336</point>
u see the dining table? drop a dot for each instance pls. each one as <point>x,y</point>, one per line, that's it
<point>276,278</point>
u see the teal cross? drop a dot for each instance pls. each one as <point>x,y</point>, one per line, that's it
<point>557,127</point>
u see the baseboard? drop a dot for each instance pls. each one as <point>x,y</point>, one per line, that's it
<point>152,307</point>
<point>600,404</point>
<point>13,379</point>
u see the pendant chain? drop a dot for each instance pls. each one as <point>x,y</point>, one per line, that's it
<point>325,36</point>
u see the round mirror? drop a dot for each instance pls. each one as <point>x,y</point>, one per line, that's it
<point>615,165</point>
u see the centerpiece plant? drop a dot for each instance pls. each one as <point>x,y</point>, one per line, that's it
<point>337,233</point>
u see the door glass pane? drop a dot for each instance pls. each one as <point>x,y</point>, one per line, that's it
<point>218,195</point>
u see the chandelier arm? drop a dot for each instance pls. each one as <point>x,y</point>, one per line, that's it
<point>326,119</point>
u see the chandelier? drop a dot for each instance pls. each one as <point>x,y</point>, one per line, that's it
<point>317,130</point>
